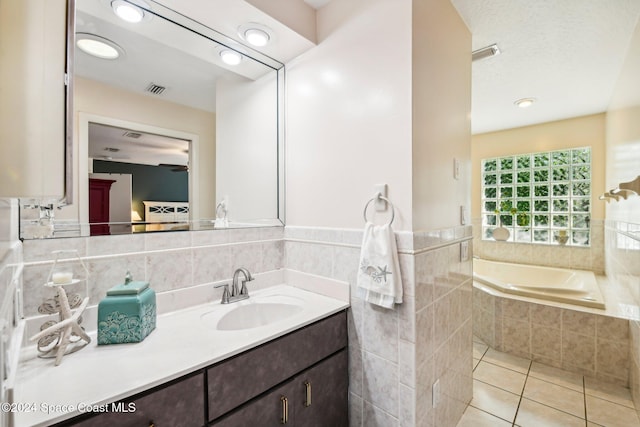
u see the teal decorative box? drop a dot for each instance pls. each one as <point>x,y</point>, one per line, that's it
<point>127,314</point>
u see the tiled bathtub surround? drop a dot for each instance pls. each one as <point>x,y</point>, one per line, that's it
<point>588,258</point>
<point>595,345</point>
<point>396,356</point>
<point>168,260</point>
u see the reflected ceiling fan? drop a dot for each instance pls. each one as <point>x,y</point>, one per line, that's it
<point>175,168</point>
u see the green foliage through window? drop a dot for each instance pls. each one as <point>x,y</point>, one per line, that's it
<point>537,195</point>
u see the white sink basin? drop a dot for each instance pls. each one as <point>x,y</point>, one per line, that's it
<point>250,314</point>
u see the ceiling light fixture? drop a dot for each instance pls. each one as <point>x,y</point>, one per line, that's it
<point>98,46</point>
<point>485,52</point>
<point>255,34</point>
<point>525,102</point>
<point>127,11</point>
<point>230,57</point>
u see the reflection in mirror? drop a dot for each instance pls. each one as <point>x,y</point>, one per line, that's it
<point>164,78</point>
<point>136,177</point>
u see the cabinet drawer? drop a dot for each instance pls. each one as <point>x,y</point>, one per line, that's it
<point>237,380</point>
<point>180,404</point>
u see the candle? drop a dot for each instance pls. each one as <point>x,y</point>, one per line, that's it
<point>62,277</point>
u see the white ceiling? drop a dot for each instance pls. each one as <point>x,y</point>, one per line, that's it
<point>116,144</point>
<point>565,53</point>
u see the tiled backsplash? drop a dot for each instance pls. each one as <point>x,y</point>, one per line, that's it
<point>168,260</point>
<point>397,355</point>
<point>579,258</point>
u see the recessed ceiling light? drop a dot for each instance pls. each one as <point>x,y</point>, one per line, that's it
<point>255,34</point>
<point>98,46</point>
<point>525,102</point>
<point>256,37</point>
<point>230,57</point>
<point>127,11</point>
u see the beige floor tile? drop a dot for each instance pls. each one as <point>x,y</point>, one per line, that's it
<point>473,417</point>
<point>507,361</point>
<point>498,376</point>
<point>567,379</point>
<point>494,400</point>
<point>590,424</point>
<point>479,349</point>
<point>556,396</point>
<point>610,414</point>
<point>533,414</point>
<point>611,392</point>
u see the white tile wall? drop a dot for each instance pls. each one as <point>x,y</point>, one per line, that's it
<point>169,261</point>
<point>623,267</point>
<point>579,258</point>
<point>394,357</point>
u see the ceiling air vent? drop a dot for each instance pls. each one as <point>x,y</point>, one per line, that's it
<point>155,89</point>
<point>485,52</point>
<point>130,134</point>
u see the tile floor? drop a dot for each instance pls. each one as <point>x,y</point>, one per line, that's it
<point>511,391</point>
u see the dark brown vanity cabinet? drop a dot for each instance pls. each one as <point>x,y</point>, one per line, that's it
<point>300,379</point>
<point>178,404</point>
<point>267,383</point>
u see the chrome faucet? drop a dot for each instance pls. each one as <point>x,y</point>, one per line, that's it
<point>236,294</point>
<point>243,289</point>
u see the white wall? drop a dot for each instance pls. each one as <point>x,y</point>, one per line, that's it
<point>348,115</point>
<point>246,147</point>
<point>32,66</point>
<point>441,115</point>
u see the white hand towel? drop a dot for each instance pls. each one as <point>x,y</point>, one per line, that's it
<point>379,280</point>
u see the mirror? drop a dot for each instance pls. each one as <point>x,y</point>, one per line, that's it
<point>158,104</point>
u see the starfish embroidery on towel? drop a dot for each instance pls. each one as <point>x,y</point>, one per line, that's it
<point>377,274</point>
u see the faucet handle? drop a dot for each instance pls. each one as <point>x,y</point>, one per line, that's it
<point>225,293</point>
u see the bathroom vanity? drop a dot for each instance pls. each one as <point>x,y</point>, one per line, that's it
<point>292,372</point>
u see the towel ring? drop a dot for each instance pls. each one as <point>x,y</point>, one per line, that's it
<point>379,196</point>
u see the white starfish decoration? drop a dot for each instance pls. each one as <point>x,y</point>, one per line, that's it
<point>69,323</point>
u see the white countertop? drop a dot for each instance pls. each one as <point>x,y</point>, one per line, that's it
<point>181,343</point>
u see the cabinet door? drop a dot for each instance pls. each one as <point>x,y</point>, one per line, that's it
<point>177,405</point>
<point>315,398</point>
<point>271,410</point>
<point>321,394</point>
<point>233,382</point>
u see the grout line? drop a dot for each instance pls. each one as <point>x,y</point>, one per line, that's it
<point>584,397</point>
<point>515,416</point>
<point>490,413</point>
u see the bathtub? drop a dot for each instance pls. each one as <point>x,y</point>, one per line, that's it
<point>553,284</point>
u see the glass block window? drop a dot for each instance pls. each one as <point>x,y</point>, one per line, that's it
<point>539,197</point>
